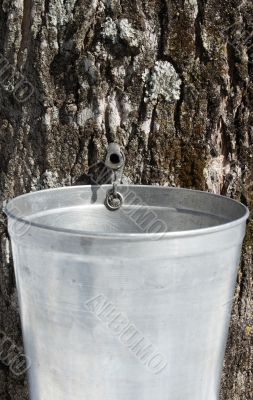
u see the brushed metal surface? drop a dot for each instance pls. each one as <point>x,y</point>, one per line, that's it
<point>130,304</point>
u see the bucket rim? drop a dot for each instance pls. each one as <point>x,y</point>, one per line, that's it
<point>129,236</point>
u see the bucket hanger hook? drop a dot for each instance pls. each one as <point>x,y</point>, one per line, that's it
<point>115,161</point>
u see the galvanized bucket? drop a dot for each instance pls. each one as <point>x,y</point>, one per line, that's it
<point>127,304</point>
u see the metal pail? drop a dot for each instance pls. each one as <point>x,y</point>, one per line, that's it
<point>127,304</point>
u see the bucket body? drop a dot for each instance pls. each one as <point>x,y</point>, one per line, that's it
<point>127,304</point>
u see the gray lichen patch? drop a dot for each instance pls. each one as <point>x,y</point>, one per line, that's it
<point>121,30</point>
<point>193,4</point>
<point>128,33</point>
<point>110,30</point>
<point>163,81</point>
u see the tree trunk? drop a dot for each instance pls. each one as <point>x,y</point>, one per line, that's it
<point>170,80</point>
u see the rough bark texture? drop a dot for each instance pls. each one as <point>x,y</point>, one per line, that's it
<point>170,80</point>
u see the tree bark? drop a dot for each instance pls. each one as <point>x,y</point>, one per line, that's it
<point>170,80</point>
